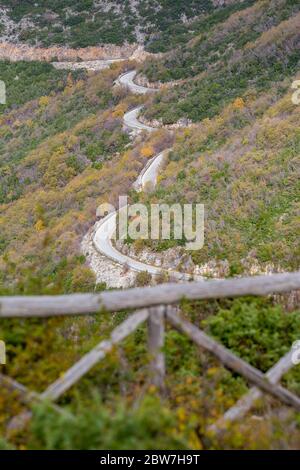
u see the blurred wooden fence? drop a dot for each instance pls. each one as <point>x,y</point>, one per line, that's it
<point>156,306</point>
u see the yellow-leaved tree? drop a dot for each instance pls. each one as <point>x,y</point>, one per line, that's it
<point>147,151</point>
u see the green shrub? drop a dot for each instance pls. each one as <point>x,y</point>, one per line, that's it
<point>143,279</point>
<point>101,428</point>
<point>256,330</point>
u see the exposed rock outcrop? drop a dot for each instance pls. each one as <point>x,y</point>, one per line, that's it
<point>15,52</point>
<point>187,123</point>
<point>176,259</point>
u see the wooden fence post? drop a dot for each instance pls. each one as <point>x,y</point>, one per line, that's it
<point>156,336</point>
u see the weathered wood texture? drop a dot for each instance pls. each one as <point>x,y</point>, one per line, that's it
<point>231,361</point>
<point>88,361</point>
<point>22,393</point>
<point>157,298</point>
<point>245,403</point>
<point>156,336</point>
<point>164,294</point>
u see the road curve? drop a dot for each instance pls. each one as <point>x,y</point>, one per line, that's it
<point>103,243</point>
<point>149,174</point>
<point>104,234</point>
<point>131,121</point>
<point>126,80</point>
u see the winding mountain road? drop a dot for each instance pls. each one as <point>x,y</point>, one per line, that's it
<point>103,243</point>
<point>104,235</point>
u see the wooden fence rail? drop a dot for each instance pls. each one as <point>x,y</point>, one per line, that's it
<point>156,306</point>
<point>88,361</point>
<point>244,404</point>
<point>164,294</point>
<point>231,361</point>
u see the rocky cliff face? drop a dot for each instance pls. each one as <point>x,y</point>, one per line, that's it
<point>15,52</point>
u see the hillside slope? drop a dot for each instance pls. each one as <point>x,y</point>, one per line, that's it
<point>247,53</point>
<point>87,23</point>
<point>226,73</point>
